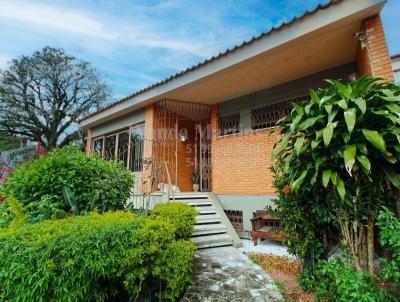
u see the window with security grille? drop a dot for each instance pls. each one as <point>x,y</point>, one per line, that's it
<point>98,146</point>
<point>236,219</point>
<point>267,116</point>
<point>109,150</point>
<point>229,124</point>
<point>137,143</point>
<point>123,143</point>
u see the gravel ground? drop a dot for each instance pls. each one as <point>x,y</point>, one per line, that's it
<point>265,247</point>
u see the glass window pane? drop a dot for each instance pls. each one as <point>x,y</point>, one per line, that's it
<point>109,152</point>
<point>267,116</point>
<point>137,143</point>
<point>229,124</point>
<point>98,146</point>
<point>123,141</point>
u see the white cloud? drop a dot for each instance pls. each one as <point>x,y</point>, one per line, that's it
<point>4,59</point>
<point>55,19</point>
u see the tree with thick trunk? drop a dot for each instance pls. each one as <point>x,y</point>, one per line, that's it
<point>42,96</point>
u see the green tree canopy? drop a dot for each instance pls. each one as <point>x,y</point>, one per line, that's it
<point>345,142</point>
<point>43,95</point>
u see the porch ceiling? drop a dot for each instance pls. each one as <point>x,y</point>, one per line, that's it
<point>320,50</point>
<point>317,43</point>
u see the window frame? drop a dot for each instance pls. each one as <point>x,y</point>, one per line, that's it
<point>222,133</point>
<point>117,134</point>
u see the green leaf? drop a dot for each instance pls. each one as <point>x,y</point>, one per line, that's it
<point>283,146</point>
<point>364,162</point>
<point>375,139</point>
<point>350,118</point>
<point>320,160</point>
<point>295,121</point>
<point>362,148</point>
<point>309,122</point>
<point>328,108</point>
<point>308,107</point>
<point>393,107</point>
<point>360,102</point>
<point>315,143</point>
<point>391,98</point>
<point>314,178</point>
<point>298,144</point>
<point>318,134</point>
<point>393,177</point>
<point>343,89</point>
<point>349,157</point>
<point>390,157</point>
<point>346,137</point>
<point>340,188</point>
<point>342,104</point>
<point>326,175</point>
<point>334,178</point>
<point>314,96</point>
<point>327,133</point>
<point>332,115</point>
<point>296,184</point>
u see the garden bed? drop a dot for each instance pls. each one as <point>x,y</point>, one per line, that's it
<point>284,271</point>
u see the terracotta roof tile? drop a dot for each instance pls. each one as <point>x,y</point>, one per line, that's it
<point>216,57</point>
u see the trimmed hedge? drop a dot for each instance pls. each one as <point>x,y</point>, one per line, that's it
<point>94,257</point>
<point>182,216</point>
<point>96,184</point>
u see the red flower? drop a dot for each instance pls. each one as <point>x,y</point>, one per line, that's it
<point>286,189</point>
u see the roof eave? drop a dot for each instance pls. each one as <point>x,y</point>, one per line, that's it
<point>274,39</point>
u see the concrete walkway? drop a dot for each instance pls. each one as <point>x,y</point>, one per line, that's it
<point>225,274</point>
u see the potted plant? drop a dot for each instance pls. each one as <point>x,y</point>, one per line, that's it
<point>196,180</point>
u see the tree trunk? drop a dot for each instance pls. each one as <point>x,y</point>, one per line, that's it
<point>370,243</point>
<point>360,240</point>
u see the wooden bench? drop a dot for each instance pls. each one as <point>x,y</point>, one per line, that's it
<point>266,227</point>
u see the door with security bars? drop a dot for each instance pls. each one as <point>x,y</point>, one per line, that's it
<point>203,154</point>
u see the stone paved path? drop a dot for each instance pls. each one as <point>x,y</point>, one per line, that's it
<point>225,274</point>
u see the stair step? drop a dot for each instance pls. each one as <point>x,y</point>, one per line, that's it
<point>204,210</point>
<point>188,196</point>
<point>208,218</point>
<point>212,241</point>
<point>209,229</point>
<point>199,203</point>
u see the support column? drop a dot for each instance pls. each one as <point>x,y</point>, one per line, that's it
<point>89,142</point>
<point>148,147</point>
<point>372,54</point>
<point>148,131</point>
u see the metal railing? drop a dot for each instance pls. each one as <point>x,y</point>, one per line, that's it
<point>147,191</point>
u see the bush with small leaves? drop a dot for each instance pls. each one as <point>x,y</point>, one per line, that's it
<point>116,256</point>
<point>180,215</point>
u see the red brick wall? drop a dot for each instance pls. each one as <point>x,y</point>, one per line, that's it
<point>241,163</point>
<point>376,61</point>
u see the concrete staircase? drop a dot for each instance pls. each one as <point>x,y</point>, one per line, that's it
<point>212,228</point>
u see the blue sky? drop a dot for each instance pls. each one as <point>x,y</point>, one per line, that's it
<point>135,43</point>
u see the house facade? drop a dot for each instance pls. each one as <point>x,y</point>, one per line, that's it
<point>216,120</point>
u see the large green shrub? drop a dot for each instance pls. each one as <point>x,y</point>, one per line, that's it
<point>336,281</point>
<point>180,215</point>
<point>95,257</point>
<point>96,184</point>
<point>389,236</point>
<point>344,145</point>
<point>308,222</point>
